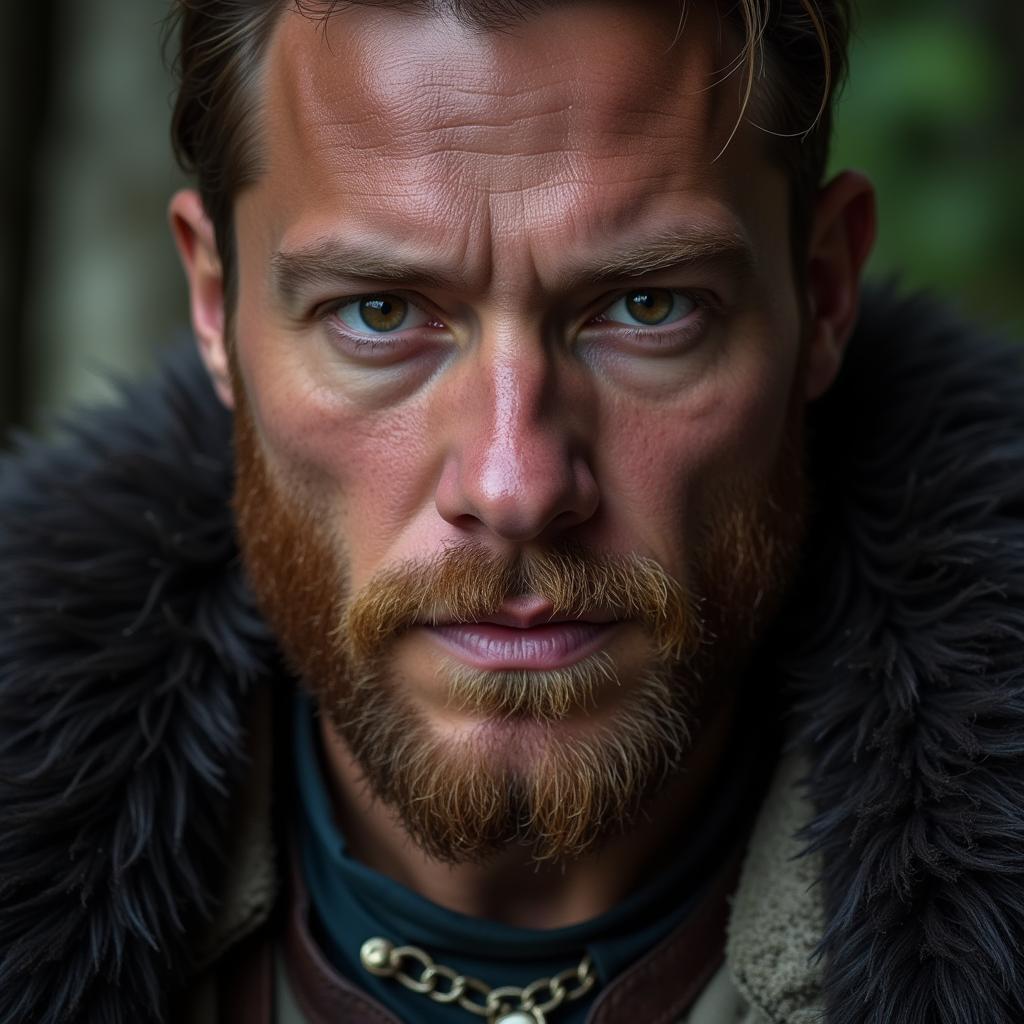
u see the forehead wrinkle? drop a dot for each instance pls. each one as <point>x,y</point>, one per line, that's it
<point>576,166</point>
<point>336,141</point>
<point>530,163</point>
<point>386,247</point>
<point>413,94</point>
<point>553,131</point>
<point>349,48</point>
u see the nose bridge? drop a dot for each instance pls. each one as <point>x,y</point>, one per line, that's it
<point>519,464</point>
<point>518,438</point>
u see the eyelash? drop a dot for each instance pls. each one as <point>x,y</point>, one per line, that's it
<point>328,315</point>
<point>705,304</point>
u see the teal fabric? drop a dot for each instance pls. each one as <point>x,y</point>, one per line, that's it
<point>351,902</point>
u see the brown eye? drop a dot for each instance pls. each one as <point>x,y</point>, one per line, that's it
<point>383,312</point>
<point>651,306</point>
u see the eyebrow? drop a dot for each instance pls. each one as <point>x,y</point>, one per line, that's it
<point>332,260</point>
<point>686,248</point>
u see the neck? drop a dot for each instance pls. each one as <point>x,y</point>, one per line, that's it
<point>512,887</point>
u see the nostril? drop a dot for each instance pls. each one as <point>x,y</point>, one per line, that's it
<point>518,503</point>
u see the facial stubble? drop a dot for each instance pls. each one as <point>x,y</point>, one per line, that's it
<point>560,791</point>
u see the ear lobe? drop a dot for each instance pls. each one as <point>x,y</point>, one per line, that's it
<point>197,247</point>
<point>842,234</point>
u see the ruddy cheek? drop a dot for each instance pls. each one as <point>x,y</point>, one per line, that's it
<point>664,458</point>
<point>655,448</point>
<point>330,449</point>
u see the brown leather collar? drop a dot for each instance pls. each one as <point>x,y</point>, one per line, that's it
<point>323,995</point>
<point>663,984</point>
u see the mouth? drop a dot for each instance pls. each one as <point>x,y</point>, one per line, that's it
<point>520,636</point>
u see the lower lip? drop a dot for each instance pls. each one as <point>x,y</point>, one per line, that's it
<point>554,645</point>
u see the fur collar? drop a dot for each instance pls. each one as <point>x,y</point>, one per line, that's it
<point>908,674</point>
<point>128,646</point>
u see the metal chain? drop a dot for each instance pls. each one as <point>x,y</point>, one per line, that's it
<point>417,971</point>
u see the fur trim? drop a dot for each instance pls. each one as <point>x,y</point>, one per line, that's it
<point>910,682</point>
<point>127,642</point>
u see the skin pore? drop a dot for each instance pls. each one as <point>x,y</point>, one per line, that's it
<point>519,201</point>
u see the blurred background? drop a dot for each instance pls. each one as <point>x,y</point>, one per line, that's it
<point>90,287</point>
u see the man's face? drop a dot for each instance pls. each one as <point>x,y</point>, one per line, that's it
<point>505,299</point>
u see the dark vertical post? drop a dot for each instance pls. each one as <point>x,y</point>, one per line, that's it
<point>25,66</point>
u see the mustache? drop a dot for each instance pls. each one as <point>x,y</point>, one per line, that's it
<point>467,583</point>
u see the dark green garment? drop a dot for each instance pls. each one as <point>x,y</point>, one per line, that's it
<point>351,903</point>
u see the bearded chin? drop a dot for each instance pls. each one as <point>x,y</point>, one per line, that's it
<point>516,781</point>
<point>521,777</point>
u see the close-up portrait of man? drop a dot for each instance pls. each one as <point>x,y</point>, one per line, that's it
<point>552,588</point>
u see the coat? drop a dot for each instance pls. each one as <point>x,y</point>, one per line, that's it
<point>131,655</point>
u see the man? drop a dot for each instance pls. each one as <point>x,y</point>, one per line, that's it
<point>562,491</point>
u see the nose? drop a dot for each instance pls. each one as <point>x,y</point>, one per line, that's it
<point>518,465</point>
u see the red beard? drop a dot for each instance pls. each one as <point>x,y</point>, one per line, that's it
<point>560,795</point>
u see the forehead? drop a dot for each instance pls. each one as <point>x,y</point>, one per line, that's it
<point>573,125</point>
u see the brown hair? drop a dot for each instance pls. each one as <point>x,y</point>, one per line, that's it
<point>792,60</point>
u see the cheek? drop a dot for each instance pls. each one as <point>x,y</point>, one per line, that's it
<point>364,473</point>
<point>664,463</point>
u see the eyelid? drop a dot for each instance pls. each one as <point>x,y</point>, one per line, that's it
<point>703,301</point>
<point>330,310</point>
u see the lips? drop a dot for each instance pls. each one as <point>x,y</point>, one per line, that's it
<point>499,644</point>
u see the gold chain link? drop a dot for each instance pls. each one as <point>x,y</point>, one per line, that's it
<point>416,970</point>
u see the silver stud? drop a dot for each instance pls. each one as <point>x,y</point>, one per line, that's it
<point>375,955</point>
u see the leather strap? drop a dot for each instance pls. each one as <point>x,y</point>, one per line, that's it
<point>664,984</point>
<point>323,995</point>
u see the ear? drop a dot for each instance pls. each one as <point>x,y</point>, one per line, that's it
<point>197,246</point>
<point>842,234</point>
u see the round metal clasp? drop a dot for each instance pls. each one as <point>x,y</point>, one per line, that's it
<point>521,1016</point>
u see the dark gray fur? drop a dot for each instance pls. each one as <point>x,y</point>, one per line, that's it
<point>128,645</point>
<point>908,676</point>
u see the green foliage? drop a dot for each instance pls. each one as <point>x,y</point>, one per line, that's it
<point>928,114</point>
